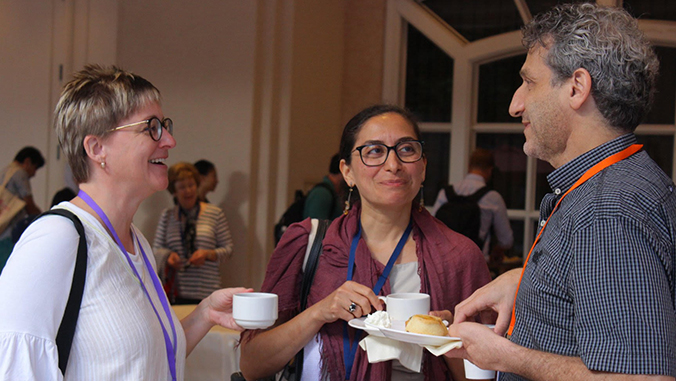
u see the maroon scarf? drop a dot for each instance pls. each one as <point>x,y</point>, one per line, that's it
<point>450,266</point>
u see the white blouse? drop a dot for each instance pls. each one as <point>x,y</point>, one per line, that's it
<point>118,336</point>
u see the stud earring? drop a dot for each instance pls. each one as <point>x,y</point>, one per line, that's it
<point>103,165</point>
<point>347,202</point>
<point>422,199</point>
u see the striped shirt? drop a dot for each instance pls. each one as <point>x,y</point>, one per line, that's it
<point>600,283</point>
<point>213,233</point>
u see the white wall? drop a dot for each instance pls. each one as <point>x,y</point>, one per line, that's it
<point>201,57</point>
<point>254,86</point>
<point>25,45</point>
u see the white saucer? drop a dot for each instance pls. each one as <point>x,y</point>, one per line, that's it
<point>370,328</point>
<point>254,324</point>
<point>398,332</point>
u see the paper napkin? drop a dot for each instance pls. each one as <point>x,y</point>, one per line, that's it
<point>439,350</point>
<point>381,349</point>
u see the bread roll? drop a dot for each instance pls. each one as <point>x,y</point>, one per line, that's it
<point>426,324</point>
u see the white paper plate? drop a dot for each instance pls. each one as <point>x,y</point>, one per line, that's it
<point>359,324</point>
<point>398,332</point>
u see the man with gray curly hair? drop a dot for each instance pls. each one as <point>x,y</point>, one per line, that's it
<point>596,296</point>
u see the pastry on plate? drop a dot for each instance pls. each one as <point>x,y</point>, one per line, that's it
<point>427,325</point>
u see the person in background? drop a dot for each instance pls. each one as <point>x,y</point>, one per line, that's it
<point>191,241</point>
<point>208,178</point>
<point>113,132</point>
<point>596,297</point>
<point>382,156</point>
<point>493,209</point>
<point>323,201</point>
<point>64,194</point>
<point>17,176</point>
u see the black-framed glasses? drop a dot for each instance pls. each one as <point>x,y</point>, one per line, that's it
<point>154,127</point>
<point>373,155</point>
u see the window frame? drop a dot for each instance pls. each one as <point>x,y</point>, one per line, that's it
<point>467,58</point>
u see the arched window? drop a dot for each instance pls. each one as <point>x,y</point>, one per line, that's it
<point>456,67</point>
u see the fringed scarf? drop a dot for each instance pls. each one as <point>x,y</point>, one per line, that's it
<point>450,266</point>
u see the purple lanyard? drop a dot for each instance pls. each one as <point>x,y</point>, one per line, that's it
<point>350,350</point>
<point>171,348</point>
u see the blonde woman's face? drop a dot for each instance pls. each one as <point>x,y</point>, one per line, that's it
<point>134,159</point>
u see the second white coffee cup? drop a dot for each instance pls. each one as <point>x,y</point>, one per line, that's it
<point>254,310</point>
<point>401,306</point>
<point>473,372</point>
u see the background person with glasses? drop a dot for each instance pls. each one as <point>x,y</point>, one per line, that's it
<point>108,125</point>
<point>191,241</point>
<point>381,156</point>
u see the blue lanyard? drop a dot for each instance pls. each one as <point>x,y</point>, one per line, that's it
<point>350,350</point>
<point>171,348</point>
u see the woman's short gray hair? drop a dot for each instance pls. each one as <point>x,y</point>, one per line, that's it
<point>93,103</point>
<point>607,42</point>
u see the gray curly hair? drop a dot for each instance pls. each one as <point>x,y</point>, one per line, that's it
<point>607,43</point>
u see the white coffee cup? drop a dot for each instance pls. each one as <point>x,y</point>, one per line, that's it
<point>254,310</point>
<point>473,372</point>
<point>402,306</point>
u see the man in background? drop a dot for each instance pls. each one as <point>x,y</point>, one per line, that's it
<point>16,178</point>
<point>208,178</point>
<point>323,201</point>
<point>493,209</point>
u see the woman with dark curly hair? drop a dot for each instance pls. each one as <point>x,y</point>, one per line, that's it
<point>381,156</point>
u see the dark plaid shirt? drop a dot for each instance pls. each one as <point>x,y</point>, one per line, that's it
<point>600,283</point>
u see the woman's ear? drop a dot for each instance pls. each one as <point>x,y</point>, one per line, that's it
<point>346,170</point>
<point>93,146</point>
<point>581,86</point>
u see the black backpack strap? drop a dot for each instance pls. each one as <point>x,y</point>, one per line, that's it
<point>64,337</point>
<point>308,278</point>
<point>476,196</point>
<point>450,192</point>
<point>312,261</point>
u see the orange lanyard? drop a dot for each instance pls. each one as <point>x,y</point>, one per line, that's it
<point>603,164</point>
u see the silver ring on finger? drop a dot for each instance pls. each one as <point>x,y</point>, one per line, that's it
<point>352,307</point>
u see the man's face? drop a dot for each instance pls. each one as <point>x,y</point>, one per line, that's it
<point>541,109</point>
<point>29,167</point>
<point>210,181</point>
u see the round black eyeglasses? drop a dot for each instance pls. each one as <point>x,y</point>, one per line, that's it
<point>154,127</point>
<point>407,151</point>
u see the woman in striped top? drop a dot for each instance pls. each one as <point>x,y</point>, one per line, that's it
<point>192,240</point>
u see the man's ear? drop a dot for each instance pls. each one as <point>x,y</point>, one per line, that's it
<point>93,146</point>
<point>580,88</point>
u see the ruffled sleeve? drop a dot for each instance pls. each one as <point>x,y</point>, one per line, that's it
<point>34,288</point>
<point>28,357</point>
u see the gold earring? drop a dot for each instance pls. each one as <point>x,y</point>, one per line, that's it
<point>422,199</point>
<point>347,202</point>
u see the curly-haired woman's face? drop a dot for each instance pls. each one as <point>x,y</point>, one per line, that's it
<point>186,192</point>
